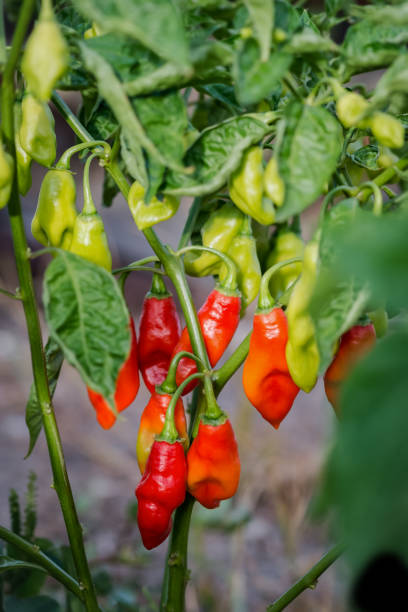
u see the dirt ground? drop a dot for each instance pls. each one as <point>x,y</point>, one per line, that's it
<point>237,570</point>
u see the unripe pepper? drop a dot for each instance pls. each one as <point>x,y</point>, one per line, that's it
<point>213,466</point>
<point>246,188</point>
<point>46,56</point>
<point>88,237</point>
<point>159,331</point>
<point>388,130</point>
<point>147,215</point>
<point>349,108</point>
<point>353,346</point>
<point>287,244</point>
<point>217,232</point>
<point>127,386</point>
<point>55,215</point>
<point>6,176</point>
<point>37,135</point>
<point>266,379</point>
<point>302,353</point>
<point>22,157</point>
<point>274,186</point>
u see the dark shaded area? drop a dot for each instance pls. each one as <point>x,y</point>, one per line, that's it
<point>382,585</point>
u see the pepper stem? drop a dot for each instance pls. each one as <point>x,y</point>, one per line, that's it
<point>169,432</point>
<point>65,159</point>
<point>230,280</point>
<point>169,384</point>
<point>345,188</point>
<point>89,205</point>
<point>266,301</point>
<point>158,288</point>
<point>378,201</point>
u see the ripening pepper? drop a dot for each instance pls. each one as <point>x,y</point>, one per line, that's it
<point>159,331</point>
<point>147,215</point>
<point>379,319</point>
<point>37,135</point>
<point>213,466</point>
<point>242,251</point>
<point>388,130</point>
<point>6,176</point>
<point>127,386</point>
<point>246,188</point>
<point>219,318</point>
<point>46,56</point>
<point>349,108</point>
<point>274,186</point>
<point>88,236</point>
<point>217,232</point>
<point>302,353</point>
<point>287,244</point>
<point>55,215</point>
<point>266,379</point>
<point>152,421</point>
<point>353,346</point>
<point>22,157</point>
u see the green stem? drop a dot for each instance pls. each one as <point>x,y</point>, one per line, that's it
<point>89,205</point>
<point>61,481</point>
<point>169,383</point>
<point>266,301</point>
<point>34,554</point>
<point>190,223</point>
<point>140,262</point>
<point>384,178</point>
<point>10,294</point>
<point>169,432</point>
<point>224,373</point>
<point>65,159</point>
<point>308,581</point>
<point>3,52</point>
<point>230,280</point>
<point>158,289</point>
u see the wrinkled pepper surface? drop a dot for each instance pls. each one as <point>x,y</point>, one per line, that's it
<point>147,215</point>
<point>22,157</point>
<point>37,135</point>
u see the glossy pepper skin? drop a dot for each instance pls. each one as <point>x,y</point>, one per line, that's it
<point>213,465</point>
<point>246,188</point>
<point>274,186</point>
<point>6,176</point>
<point>55,215</point>
<point>353,346</point>
<point>218,232</point>
<point>22,157</point>
<point>147,215</point>
<point>388,130</point>
<point>37,136</point>
<point>219,318</point>
<point>159,331</point>
<point>127,386</point>
<point>161,490</point>
<point>151,424</point>
<point>266,379</point>
<point>302,353</point>
<point>46,56</point>
<point>287,244</point>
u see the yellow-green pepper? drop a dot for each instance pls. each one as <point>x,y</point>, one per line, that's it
<point>302,352</point>
<point>37,136</point>
<point>147,215</point>
<point>274,186</point>
<point>22,157</point>
<point>6,176</point>
<point>287,244</point>
<point>349,108</point>
<point>388,130</point>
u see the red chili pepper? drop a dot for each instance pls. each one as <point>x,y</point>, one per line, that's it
<point>353,346</point>
<point>161,490</point>
<point>213,466</point>
<point>159,331</point>
<point>151,424</point>
<point>127,386</point>
<point>219,318</point>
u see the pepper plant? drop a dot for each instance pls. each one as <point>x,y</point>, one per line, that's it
<point>254,111</point>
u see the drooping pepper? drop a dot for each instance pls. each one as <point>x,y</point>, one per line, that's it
<point>159,331</point>
<point>217,232</point>
<point>354,345</point>
<point>127,386</point>
<point>147,215</point>
<point>46,56</point>
<point>302,353</point>
<point>266,379</point>
<point>274,186</point>
<point>246,188</point>
<point>88,237</point>
<point>218,318</point>
<point>388,130</point>
<point>213,465</point>
<point>350,107</point>
<point>163,486</point>
<point>287,244</point>
<point>22,157</point>
<point>6,176</point>
<point>242,251</point>
<point>55,215</point>
<point>37,135</point>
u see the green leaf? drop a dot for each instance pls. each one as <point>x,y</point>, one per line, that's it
<point>364,477</point>
<point>216,154</point>
<point>394,80</point>
<point>156,24</point>
<point>286,16</point>
<point>307,156</point>
<point>255,78</point>
<point>33,414</point>
<point>7,564</point>
<point>366,157</point>
<point>391,15</point>
<point>308,41</point>
<point>88,318</point>
<point>262,17</point>
<point>30,510</point>
<point>42,603</point>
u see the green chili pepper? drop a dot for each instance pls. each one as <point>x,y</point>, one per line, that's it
<point>55,216</point>
<point>89,238</point>
<point>146,215</point>
<point>349,108</point>
<point>287,244</point>
<point>217,232</point>
<point>388,130</point>
<point>37,136</point>
<point>274,186</point>
<point>6,176</point>
<point>22,157</point>
<point>46,56</point>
